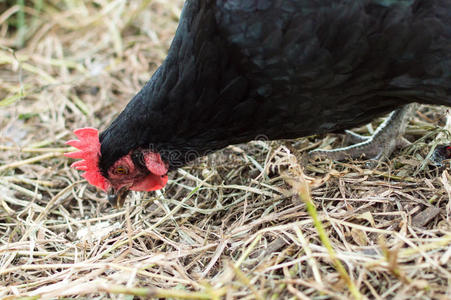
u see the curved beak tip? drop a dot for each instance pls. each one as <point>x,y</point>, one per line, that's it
<point>112,198</point>
<point>117,199</point>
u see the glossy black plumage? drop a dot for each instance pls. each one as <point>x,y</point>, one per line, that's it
<point>239,69</point>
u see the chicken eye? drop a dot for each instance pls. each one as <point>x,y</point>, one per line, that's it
<point>120,171</point>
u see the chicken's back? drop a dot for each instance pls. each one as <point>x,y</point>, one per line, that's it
<point>321,66</point>
<point>284,69</point>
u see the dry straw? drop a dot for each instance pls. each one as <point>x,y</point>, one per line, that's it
<point>254,221</point>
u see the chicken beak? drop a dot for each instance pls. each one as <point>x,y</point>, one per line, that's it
<point>117,199</point>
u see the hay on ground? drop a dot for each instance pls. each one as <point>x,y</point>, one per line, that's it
<point>235,224</point>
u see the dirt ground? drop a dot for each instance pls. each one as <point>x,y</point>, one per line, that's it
<point>253,221</point>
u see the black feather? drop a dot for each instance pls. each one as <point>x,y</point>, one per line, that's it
<point>238,69</point>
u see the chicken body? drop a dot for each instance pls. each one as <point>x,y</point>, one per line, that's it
<point>239,69</point>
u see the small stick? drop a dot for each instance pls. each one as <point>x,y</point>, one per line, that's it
<point>29,161</point>
<point>36,150</point>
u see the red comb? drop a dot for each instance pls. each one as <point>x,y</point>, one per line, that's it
<point>89,146</point>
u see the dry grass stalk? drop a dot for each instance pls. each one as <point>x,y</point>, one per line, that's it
<point>229,226</point>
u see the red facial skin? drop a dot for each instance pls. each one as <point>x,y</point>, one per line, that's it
<point>123,175</point>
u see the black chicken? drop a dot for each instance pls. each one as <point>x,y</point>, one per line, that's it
<point>238,69</point>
